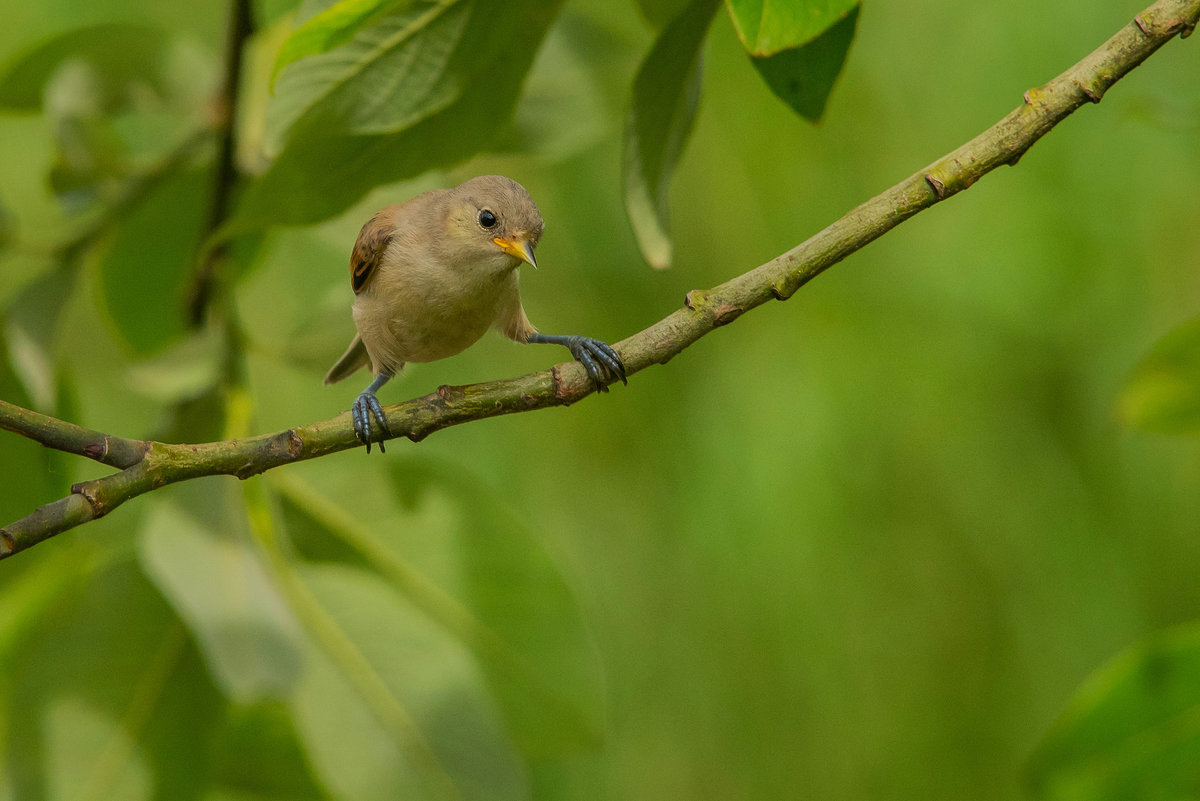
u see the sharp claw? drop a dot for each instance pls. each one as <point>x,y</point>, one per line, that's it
<point>364,406</point>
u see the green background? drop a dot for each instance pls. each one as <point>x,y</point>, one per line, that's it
<point>864,544</point>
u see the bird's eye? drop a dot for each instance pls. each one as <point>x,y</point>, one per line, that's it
<point>487,219</point>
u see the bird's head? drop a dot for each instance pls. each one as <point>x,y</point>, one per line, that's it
<point>493,220</point>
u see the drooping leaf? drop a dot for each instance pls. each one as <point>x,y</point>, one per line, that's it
<point>415,89</point>
<point>205,564</point>
<point>803,77</point>
<point>510,605</point>
<point>327,29</point>
<point>1163,395</point>
<point>768,26</point>
<point>666,93</point>
<point>145,264</point>
<point>121,54</point>
<point>1132,731</point>
<point>391,707</point>
<point>532,642</point>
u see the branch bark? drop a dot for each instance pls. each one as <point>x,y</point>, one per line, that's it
<point>146,466</point>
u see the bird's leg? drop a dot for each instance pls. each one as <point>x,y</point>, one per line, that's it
<point>364,406</point>
<point>602,363</point>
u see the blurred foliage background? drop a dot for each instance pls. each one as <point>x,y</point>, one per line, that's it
<point>867,544</point>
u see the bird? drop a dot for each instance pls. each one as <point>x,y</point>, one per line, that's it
<point>431,275</point>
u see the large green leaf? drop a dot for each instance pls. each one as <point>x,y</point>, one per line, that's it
<point>503,598</point>
<point>421,87</point>
<point>1133,730</point>
<point>390,706</point>
<point>259,758</point>
<point>769,26</point>
<point>206,565</point>
<point>98,697</point>
<point>803,77</point>
<point>666,93</point>
<point>1163,395</point>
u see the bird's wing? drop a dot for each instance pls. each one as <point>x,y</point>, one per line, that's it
<point>370,246</point>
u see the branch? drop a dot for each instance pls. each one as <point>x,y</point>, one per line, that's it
<point>146,466</point>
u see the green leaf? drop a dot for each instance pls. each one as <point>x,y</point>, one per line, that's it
<point>666,92</point>
<point>390,707</point>
<point>205,564</point>
<point>119,53</point>
<point>1133,730</point>
<point>98,696</point>
<point>803,77</point>
<point>328,29</point>
<point>537,654</point>
<point>412,91</point>
<point>769,26</point>
<point>660,12</point>
<point>145,264</point>
<point>260,758</point>
<point>507,601</point>
<point>1163,395</point>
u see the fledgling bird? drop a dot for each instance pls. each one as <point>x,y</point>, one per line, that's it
<point>434,273</point>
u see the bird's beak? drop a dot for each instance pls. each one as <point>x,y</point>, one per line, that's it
<point>521,248</point>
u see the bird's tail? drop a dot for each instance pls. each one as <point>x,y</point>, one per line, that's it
<point>354,358</point>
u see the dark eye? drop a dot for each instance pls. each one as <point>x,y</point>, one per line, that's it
<point>487,219</point>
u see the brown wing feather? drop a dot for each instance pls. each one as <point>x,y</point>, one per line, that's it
<point>369,248</point>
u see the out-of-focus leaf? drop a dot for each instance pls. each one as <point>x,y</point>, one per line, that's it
<point>1163,394</point>
<point>32,327</point>
<point>206,566</point>
<point>766,27</point>
<point>392,707</point>
<point>98,696</point>
<point>413,90</point>
<point>541,663</point>
<point>328,29</point>
<point>145,263</point>
<point>120,53</point>
<point>803,77</point>
<point>509,605</point>
<point>1132,731</point>
<point>183,370</point>
<point>660,12</point>
<point>27,482</point>
<point>259,758</point>
<point>666,93</point>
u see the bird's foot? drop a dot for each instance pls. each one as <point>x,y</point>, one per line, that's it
<point>364,406</point>
<point>601,362</point>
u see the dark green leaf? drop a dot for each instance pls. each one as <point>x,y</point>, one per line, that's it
<point>666,93</point>
<point>414,90</point>
<point>1132,731</point>
<point>145,264</point>
<point>1164,393</point>
<point>260,758</point>
<point>660,12</point>
<point>766,26</point>
<point>803,77</point>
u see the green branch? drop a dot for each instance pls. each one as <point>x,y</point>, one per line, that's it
<point>146,466</point>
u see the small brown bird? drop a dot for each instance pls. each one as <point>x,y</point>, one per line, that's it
<point>432,274</point>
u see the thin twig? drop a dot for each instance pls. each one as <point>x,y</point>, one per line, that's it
<point>703,310</point>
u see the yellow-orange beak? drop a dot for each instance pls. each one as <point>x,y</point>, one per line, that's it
<point>521,248</point>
